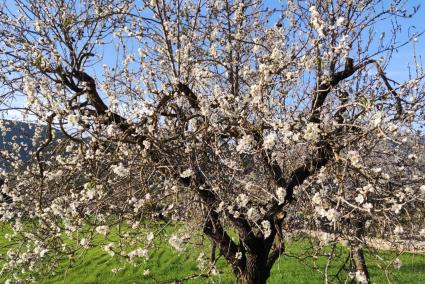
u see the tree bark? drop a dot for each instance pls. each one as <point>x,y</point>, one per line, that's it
<point>362,274</point>
<point>213,249</point>
<point>255,271</point>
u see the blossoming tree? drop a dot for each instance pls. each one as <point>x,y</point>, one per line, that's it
<point>215,113</point>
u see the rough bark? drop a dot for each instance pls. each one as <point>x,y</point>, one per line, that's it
<point>360,264</point>
<point>255,270</point>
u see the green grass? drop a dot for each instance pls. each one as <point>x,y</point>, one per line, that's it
<point>166,265</point>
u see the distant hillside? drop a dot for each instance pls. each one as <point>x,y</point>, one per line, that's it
<point>17,140</point>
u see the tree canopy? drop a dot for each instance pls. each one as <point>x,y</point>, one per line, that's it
<point>229,116</point>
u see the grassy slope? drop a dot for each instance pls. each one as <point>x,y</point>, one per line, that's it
<point>165,264</point>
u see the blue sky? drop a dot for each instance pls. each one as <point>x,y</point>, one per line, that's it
<point>398,67</point>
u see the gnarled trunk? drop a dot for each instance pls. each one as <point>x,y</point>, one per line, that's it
<point>255,271</point>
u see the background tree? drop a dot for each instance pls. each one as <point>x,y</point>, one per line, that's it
<point>214,113</point>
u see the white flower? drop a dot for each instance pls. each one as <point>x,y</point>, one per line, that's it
<point>396,208</point>
<point>266,228</point>
<point>242,200</point>
<point>253,214</point>
<point>138,253</point>
<point>312,132</point>
<point>91,193</point>
<point>386,176</point>
<point>202,261</point>
<point>377,119</point>
<point>84,243</point>
<point>111,130</point>
<point>359,199</point>
<point>238,255</point>
<point>398,230</point>
<point>120,170</point>
<point>317,198</point>
<point>361,277</point>
<point>412,156</point>
<point>397,263</point>
<point>269,141</point>
<point>325,237</point>
<point>368,206</point>
<point>368,188</point>
<point>40,251</point>
<point>103,230</point>
<point>73,119</point>
<point>245,144</point>
<point>38,25</point>
<point>108,248</point>
<point>186,173</point>
<point>220,207</point>
<point>280,194</point>
<point>146,144</point>
<point>150,236</point>
<point>316,21</point>
<point>146,272</point>
<point>341,21</point>
<point>176,242</point>
<point>354,158</point>
<point>332,215</point>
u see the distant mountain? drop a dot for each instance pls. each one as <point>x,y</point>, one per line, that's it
<point>17,140</point>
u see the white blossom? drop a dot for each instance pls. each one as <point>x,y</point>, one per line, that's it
<point>269,141</point>
<point>316,21</point>
<point>245,144</point>
<point>397,263</point>
<point>359,198</point>
<point>396,208</point>
<point>361,277</point>
<point>398,230</point>
<point>186,173</point>
<point>253,214</point>
<point>176,242</point>
<point>332,215</point>
<point>109,249</point>
<point>368,206</point>
<point>266,228</point>
<point>103,230</point>
<point>312,132</point>
<point>149,237</point>
<point>242,200</point>
<point>280,194</point>
<point>341,21</point>
<point>139,252</point>
<point>84,243</point>
<point>120,170</point>
<point>317,198</point>
<point>354,158</point>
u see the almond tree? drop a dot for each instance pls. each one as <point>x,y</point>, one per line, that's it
<point>215,113</point>
<point>363,206</point>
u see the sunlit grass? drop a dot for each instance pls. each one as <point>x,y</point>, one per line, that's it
<point>166,265</point>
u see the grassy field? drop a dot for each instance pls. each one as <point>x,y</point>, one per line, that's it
<point>167,265</point>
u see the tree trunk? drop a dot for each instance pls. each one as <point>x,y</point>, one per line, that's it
<point>362,274</point>
<point>213,249</point>
<point>255,271</point>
